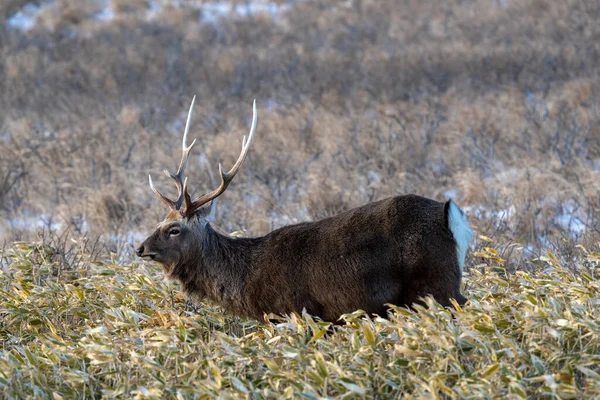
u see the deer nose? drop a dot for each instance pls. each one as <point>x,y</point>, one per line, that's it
<point>140,250</point>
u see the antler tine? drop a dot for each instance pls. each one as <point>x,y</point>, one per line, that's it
<point>226,177</point>
<point>187,126</point>
<point>178,176</point>
<point>168,202</point>
<point>185,149</point>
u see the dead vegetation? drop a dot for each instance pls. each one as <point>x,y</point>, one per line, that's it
<point>493,103</point>
<point>72,327</point>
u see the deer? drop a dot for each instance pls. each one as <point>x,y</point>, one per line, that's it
<point>396,251</point>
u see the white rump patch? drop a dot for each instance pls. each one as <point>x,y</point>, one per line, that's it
<point>462,232</point>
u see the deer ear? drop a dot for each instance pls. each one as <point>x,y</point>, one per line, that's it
<point>207,213</point>
<point>213,210</point>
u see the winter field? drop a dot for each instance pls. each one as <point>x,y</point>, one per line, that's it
<point>493,103</point>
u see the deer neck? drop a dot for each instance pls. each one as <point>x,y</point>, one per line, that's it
<point>219,270</point>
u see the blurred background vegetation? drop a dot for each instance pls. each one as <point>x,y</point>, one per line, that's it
<point>492,103</point>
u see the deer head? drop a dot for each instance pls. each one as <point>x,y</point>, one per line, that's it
<point>175,240</point>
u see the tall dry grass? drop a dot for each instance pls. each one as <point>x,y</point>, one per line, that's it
<point>72,327</point>
<point>492,103</point>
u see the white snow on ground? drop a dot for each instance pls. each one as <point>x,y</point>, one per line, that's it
<point>569,221</point>
<point>126,243</point>
<point>451,194</point>
<point>106,14</point>
<point>154,10</point>
<point>34,222</point>
<point>480,211</point>
<point>250,200</point>
<point>373,178</point>
<point>129,237</point>
<point>271,105</point>
<point>25,18</point>
<point>278,220</point>
<point>4,136</point>
<point>211,12</point>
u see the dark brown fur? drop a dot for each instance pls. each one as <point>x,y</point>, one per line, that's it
<point>392,251</point>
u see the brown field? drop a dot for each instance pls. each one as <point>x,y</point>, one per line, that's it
<point>493,103</point>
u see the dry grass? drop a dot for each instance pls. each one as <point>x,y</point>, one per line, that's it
<point>90,329</point>
<point>493,103</point>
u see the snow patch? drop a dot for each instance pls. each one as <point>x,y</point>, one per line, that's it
<point>279,219</point>
<point>154,10</point>
<point>530,98</point>
<point>106,14</point>
<point>25,18</point>
<point>251,200</point>
<point>270,105</point>
<point>373,177</point>
<point>33,222</point>
<point>436,166</point>
<point>569,221</point>
<point>4,137</point>
<point>130,237</point>
<point>480,211</point>
<point>214,10</point>
<point>125,244</point>
<point>451,194</point>
<point>211,12</point>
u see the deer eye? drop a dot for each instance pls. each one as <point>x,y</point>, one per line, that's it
<point>174,231</point>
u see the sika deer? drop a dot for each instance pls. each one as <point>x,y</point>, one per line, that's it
<point>396,251</point>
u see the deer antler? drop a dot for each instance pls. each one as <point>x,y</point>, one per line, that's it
<point>183,197</point>
<point>178,177</point>
<point>226,177</point>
